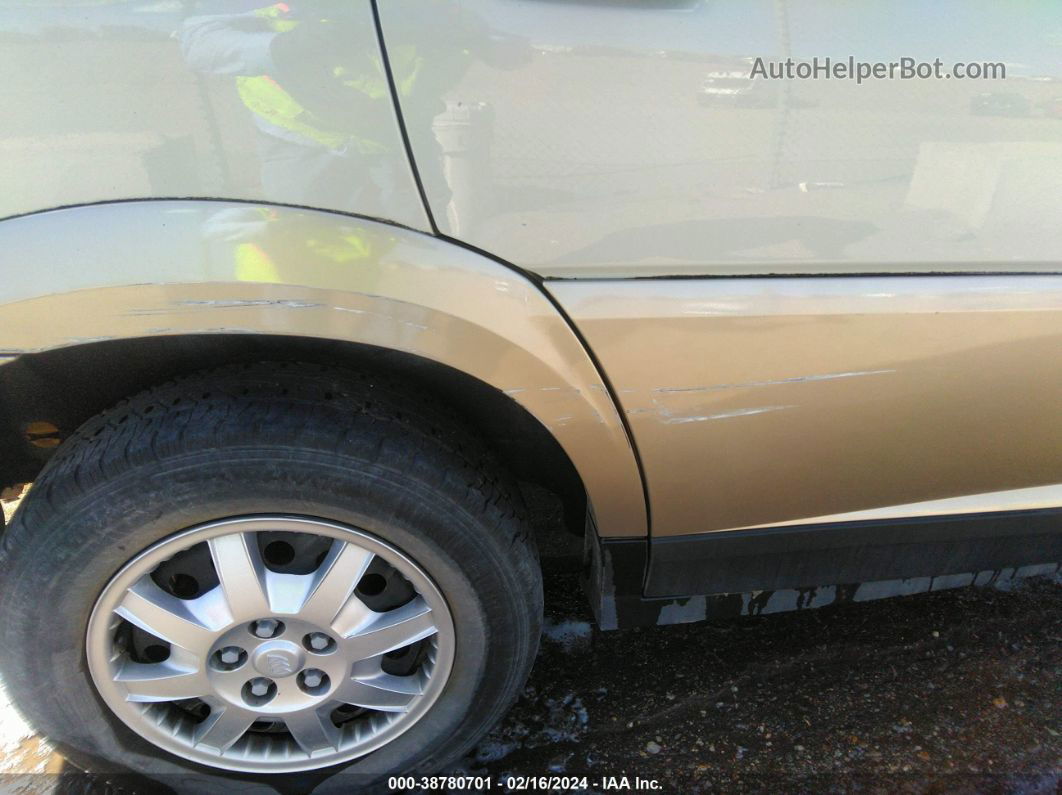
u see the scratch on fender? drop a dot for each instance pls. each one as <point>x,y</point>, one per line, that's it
<point>799,379</point>
<point>670,418</point>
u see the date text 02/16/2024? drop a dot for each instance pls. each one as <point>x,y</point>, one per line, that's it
<point>524,783</point>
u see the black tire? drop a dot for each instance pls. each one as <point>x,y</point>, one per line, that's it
<point>268,438</point>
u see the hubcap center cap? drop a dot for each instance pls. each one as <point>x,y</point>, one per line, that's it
<point>278,658</point>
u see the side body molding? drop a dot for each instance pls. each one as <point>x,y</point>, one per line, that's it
<point>139,269</point>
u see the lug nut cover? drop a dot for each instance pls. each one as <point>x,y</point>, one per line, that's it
<point>265,628</point>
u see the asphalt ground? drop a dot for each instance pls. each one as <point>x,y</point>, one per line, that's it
<point>955,691</point>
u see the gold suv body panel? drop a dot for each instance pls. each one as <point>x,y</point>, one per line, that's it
<point>592,146</point>
<point>768,401</point>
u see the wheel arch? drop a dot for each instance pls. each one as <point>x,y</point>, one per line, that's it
<point>46,396</point>
<point>116,297</point>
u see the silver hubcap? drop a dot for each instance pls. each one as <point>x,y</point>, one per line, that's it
<point>270,644</point>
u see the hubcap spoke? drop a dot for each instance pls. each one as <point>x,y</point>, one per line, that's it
<point>378,633</point>
<point>224,726</point>
<point>409,685</point>
<point>335,580</point>
<point>313,731</point>
<point>149,682</point>
<point>164,616</point>
<point>354,615</point>
<point>369,695</point>
<point>241,572</point>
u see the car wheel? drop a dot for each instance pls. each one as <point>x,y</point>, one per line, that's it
<point>255,573</point>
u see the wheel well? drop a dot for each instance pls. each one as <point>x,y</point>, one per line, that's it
<point>44,397</point>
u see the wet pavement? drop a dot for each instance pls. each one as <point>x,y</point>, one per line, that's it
<point>954,691</point>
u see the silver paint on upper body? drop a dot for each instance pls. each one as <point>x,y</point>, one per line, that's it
<point>234,99</point>
<point>586,139</point>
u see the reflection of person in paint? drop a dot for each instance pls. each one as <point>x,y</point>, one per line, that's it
<point>320,103</point>
<point>316,100</point>
<point>272,246</point>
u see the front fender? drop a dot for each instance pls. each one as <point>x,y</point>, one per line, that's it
<point>139,269</point>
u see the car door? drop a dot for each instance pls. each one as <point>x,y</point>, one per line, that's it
<point>818,302</point>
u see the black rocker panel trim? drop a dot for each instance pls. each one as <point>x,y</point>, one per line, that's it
<point>800,556</point>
